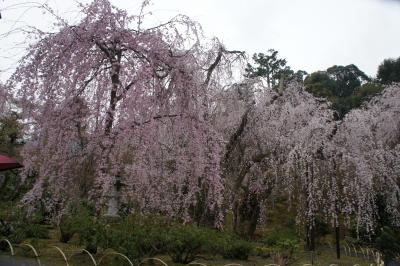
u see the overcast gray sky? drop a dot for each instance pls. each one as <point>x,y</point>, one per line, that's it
<point>311,34</point>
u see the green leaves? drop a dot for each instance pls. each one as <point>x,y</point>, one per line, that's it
<point>346,87</point>
<point>389,71</point>
<point>388,241</point>
<point>273,68</point>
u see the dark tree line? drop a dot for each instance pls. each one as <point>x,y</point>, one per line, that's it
<point>346,87</point>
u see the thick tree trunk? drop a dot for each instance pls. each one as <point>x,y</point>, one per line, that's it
<point>312,238</point>
<point>114,54</point>
<point>245,216</point>
<point>310,241</point>
<point>312,246</point>
<point>337,233</point>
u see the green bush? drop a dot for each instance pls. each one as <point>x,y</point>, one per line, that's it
<point>388,242</point>
<point>288,246</point>
<point>277,236</point>
<point>80,219</point>
<point>145,236</point>
<point>232,247</point>
<point>284,243</point>
<point>183,243</point>
<point>136,236</point>
<point>17,226</point>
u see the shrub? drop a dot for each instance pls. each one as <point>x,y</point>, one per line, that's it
<point>137,236</point>
<point>284,250</point>
<point>262,251</point>
<point>184,243</point>
<point>17,226</point>
<point>284,242</point>
<point>288,246</point>
<point>388,242</point>
<point>232,247</point>
<point>275,237</point>
<point>80,220</point>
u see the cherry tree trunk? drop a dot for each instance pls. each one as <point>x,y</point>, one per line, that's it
<point>245,216</point>
<point>337,234</point>
<point>310,240</point>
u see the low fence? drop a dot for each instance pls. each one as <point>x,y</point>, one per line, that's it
<point>351,250</point>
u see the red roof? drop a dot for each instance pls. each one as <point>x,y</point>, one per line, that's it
<point>7,163</point>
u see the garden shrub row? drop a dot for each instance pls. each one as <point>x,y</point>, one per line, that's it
<point>139,236</point>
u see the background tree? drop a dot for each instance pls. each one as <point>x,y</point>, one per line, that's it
<point>10,144</point>
<point>347,79</point>
<point>389,71</point>
<point>346,87</point>
<point>10,134</point>
<point>273,68</point>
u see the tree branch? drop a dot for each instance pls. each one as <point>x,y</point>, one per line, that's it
<point>217,60</point>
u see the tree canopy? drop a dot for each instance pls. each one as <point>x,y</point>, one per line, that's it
<point>274,69</point>
<point>109,104</point>
<point>346,87</point>
<point>389,71</point>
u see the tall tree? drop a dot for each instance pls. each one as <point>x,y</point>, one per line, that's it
<point>347,79</point>
<point>346,87</point>
<point>274,135</point>
<point>269,66</point>
<point>389,71</point>
<point>109,104</point>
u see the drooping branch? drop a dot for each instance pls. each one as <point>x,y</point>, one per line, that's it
<point>235,138</point>
<point>221,52</point>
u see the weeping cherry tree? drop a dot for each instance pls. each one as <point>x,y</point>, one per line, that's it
<point>118,113</point>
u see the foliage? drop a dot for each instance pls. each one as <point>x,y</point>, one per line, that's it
<point>346,87</point>
<point>233,247</point>
<point>137,236</point>
<point>146,236</point>
<point>17,226</point>
<point>10,134</point>
<point>283,243</point>
<point>184,243</point>
<point>11,141</point>
<point>80,219</point>
<point>320,84</point>
<point>278,236</point>
<point>347,79</point>
<point>288,245</point>
<point>10,186</point>
<point>273,68</point>
<point>389,71</point>
<point>388,242</point>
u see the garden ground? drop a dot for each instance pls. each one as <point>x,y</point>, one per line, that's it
<point>49,256</point>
